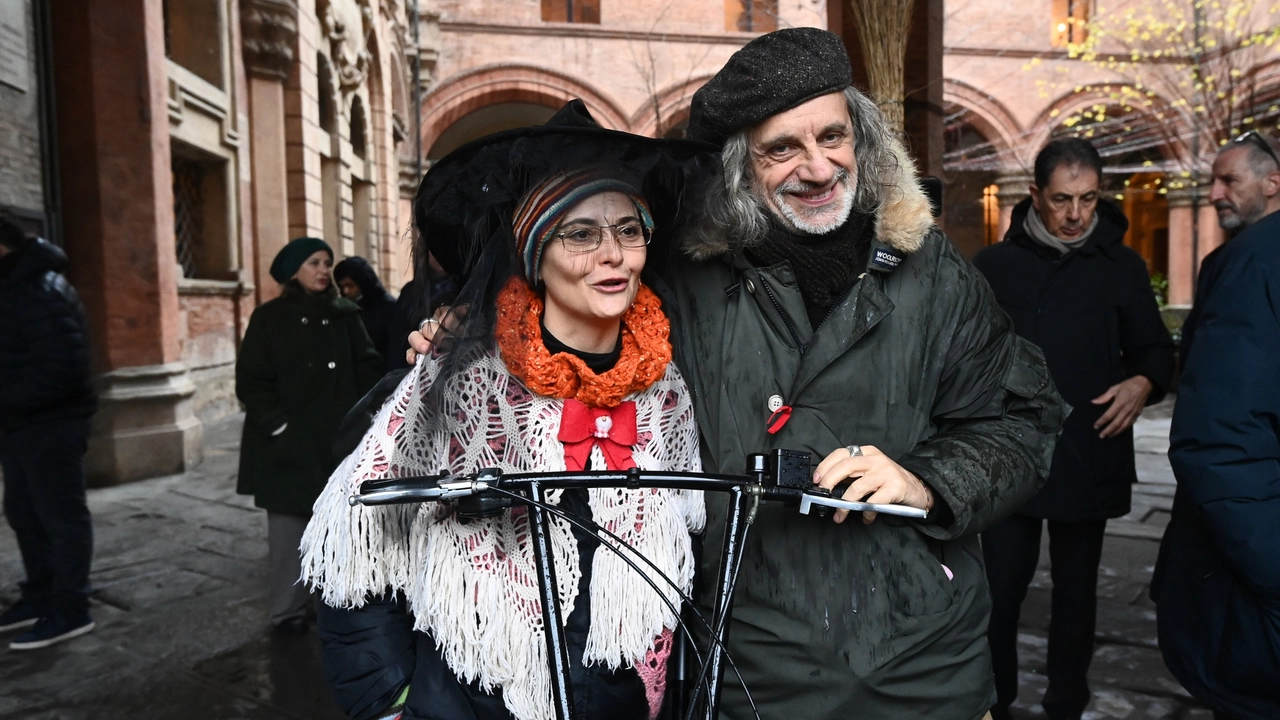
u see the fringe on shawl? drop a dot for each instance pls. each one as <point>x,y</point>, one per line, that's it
<point>483,643</point>
<point>350,553</point>
<point>623,630</point>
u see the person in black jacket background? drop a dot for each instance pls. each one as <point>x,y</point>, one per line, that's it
<point>359,283</point>
<point>1217,579</point>
<point>1072,287</point>
<point>46,400</point>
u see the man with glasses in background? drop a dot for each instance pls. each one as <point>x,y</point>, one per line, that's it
<point>1217,580</point>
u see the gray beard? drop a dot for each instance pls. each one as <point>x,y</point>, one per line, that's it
<point>797,222</point>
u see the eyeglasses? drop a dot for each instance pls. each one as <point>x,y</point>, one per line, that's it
<point>1256,138</point>
<point>629,235</point>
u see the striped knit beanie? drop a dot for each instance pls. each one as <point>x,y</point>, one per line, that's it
<point>543,207</point>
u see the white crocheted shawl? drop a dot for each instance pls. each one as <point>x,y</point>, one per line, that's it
<point>473,586</point>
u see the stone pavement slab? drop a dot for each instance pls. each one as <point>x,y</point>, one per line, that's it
<point>179,580</point>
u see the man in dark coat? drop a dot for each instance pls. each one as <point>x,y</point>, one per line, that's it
<point>46,400</point>
<point>359,283</point>
<point>818,308</point>
<point>1071,286</point>
<point>1217,580</point>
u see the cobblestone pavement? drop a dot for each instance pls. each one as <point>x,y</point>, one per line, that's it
<point>1128,676</point>
<point>179,578</point>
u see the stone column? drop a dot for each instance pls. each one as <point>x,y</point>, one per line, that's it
<point>923,79</point>
<point>1014,187</point>
<point>1211,234</point>
<point>113,152</point>
<point>1181,281</point>
<point>270,33</point>
<point>1182,248</point>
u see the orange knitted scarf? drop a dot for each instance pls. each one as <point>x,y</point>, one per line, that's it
<point>646,350</point>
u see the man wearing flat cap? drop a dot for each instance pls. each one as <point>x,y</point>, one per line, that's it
<point>823,311</point>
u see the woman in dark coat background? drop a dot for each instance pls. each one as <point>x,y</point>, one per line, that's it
<point>305,360</point>
<point>359,283</point>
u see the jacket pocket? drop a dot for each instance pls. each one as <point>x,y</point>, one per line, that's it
<point>1028,374</point>
<point>917,598</point>
<point>1249,655</point>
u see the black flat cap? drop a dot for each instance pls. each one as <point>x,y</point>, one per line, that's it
<point>771,74</point>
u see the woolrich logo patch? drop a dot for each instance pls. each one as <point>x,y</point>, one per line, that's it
<point>885,259</point>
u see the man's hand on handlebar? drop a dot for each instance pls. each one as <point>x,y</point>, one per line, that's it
<point>434,330</point>
<point>876,479</point>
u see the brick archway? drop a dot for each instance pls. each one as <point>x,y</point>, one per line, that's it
<point>463,94</point>
<point>672,106</point>
<point>989,117</point>
<point>1066,105</point>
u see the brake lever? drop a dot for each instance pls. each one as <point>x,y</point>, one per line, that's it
<point>403,490</point>
<point>809,499</point>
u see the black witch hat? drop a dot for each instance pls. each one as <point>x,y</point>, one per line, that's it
<point>465,202</point>
<point>464,206</point>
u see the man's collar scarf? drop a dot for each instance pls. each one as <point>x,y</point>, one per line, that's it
<point>825,265</point>
<point>1036,230</point>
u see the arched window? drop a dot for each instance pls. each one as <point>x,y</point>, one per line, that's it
<point>357,129</point>
<point>324,88</point>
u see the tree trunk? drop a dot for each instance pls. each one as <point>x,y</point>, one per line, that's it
<point>883,27</point>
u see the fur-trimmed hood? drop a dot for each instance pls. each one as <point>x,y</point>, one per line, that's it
<point>901,223</point>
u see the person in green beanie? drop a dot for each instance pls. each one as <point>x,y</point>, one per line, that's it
<point>304,362</point>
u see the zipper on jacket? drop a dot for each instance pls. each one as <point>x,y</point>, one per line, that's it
<point>832,310</point>
<point>786,319</point>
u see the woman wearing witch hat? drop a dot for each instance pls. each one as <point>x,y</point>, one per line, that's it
<point>562,363</point>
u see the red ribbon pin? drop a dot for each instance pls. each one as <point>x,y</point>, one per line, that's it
<point>779,418</point>
<point>613,429</point>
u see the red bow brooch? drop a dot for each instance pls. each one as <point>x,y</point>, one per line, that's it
<point>613,429</point>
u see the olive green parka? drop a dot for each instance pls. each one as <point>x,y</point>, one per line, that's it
<point>304,362</point>
<point>852,620</point>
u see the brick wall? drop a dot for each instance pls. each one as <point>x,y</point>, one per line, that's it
<point>212,318</point>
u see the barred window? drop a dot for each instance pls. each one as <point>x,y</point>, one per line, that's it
<point>201,228</point>
<point>1070,22</point>
<point>574,11</point>
<point>188,211</point>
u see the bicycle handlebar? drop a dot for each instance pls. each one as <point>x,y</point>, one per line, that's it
<point>449,487</point>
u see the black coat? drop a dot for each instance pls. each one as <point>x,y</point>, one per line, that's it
<point>1093,313</point>
<point>378,314</point>
<point>1217,580</point>
<point>377,306</point>
<point>304,362</point>
<point>44,345</point>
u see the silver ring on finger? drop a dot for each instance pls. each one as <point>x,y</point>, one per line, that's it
<point>423,324</point>
<point>854,450</point>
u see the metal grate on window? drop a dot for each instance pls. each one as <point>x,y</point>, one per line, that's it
<point>188,176</point>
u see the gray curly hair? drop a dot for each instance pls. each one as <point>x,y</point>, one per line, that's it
<point>732,206</point>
